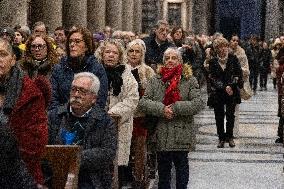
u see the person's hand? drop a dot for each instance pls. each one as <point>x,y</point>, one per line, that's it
<point>168,112</point>
<point>229,90</point>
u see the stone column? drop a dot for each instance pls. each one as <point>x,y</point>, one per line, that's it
<point>200,11</point>
<point>114,14</point>
<point>74,13</point>
<point>96,15</point>
<point>272,19</point>
<point>137,16</point>
<point>127,15</point>
<point>13,12</point>
<point>51,13</point>
<point>189,14</point>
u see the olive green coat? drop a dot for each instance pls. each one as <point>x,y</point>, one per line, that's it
<point>178,134</point>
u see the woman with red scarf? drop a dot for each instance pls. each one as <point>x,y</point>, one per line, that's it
<point>173,96</point>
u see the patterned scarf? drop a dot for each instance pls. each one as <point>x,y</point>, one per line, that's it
<point>172,77</point>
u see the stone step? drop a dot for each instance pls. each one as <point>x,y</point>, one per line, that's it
<point>237,157</point>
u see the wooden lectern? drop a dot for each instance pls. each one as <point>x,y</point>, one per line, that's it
<point>65,163</point>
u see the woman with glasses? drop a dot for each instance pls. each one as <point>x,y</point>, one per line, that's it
<point>135,55</point>
<point>40,56</point>
<point>123,98</point>
<point>80,58</point>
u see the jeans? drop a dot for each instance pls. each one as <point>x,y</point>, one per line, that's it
<point>180,160</point>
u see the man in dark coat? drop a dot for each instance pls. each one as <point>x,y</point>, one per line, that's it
<point>24,102</point>
<point>156,44</point>
<point>253,53</point>
<point>265,64</point>
<point>82,123</point>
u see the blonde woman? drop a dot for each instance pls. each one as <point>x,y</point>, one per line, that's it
<point>135,55</point>
<point>225,77</point>
<point>122,100</point>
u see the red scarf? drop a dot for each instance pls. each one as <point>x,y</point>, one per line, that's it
<point>172,77</point>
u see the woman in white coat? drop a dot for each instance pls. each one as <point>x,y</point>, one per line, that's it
<point>123,97</point>
<point>246,92</point>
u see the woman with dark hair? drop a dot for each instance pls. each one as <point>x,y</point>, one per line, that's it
<point>80,58</point>
<point>178,36</point>
<point>20,39</point>
<point>40,56</point>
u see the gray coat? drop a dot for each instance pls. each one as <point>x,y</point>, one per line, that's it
<point>178,134</point>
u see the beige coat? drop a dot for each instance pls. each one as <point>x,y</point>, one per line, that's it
<point>275,63</point>
<point>145,73</point>
<point>124,105</point>
<point>242,57</point>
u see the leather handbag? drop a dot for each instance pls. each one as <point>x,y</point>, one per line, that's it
<point>246,92</point>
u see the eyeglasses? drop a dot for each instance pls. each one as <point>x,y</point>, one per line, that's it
<point>80,90</point>
<point>38,46</point>
<point>75,41</point>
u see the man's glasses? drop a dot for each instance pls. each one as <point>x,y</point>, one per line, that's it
<point>81,91</point>
<point>38,46</point>
<point>75,41</point>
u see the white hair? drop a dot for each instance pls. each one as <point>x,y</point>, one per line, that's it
<point>142,45</point>
<point>95,86</point>
<point>176,51</point>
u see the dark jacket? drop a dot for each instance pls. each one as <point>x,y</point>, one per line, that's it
<point>254,56</point>
<point>34,68</point>
<point>280,87</point>
<point>13,171</point>
<point>266,57</point>
<point>99,144</point>
<point>62,77</point>
<point>154,52</point>
<point>220,79</point>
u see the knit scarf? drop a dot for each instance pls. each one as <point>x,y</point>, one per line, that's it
<point>171,76</point>
<point>115,80</point>
<point>13,88</point>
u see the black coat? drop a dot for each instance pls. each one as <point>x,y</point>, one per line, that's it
<point>154,52</point>
<point>99,144</point>
<point>13,172</point>
<point>220,79</point>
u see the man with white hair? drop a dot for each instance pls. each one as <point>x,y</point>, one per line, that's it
<point>82,122</point>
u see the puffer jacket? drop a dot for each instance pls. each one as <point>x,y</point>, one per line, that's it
<point>179,133</point>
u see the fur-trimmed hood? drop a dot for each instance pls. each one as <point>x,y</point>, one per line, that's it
<point>186,70</point>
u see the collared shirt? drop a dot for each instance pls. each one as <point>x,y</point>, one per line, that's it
<point>84,115</point>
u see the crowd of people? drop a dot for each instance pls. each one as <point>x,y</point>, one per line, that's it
<point>63,87</point>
